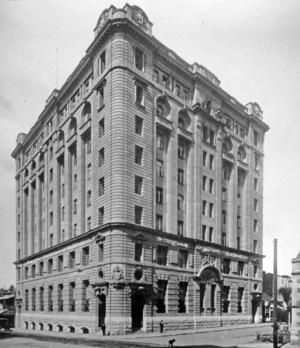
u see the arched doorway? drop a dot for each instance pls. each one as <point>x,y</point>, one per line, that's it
<point>138,300</point>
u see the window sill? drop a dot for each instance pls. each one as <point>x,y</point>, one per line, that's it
<point>101,108</point>
<point>140,106</point>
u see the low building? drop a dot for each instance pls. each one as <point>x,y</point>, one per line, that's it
<point>7,306</point>
<point>295,329</point>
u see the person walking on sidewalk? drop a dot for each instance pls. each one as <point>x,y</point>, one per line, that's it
<point>103,328</point>
<point>161,324</point>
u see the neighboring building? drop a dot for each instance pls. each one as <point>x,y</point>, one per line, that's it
<point>295,329</point>
<point>284,281</point>
<point>7,305</point>
<point>139,193</point>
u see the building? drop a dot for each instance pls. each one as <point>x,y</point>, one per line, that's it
<point>295,329</point>
<point>139,193</point>
<point>7,305</point>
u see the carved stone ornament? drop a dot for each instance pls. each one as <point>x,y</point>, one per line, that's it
<point>103,19</point>
<point>139,17</point>
<point>208,260</point>
<point>139,275</point>
<point>117,274</point>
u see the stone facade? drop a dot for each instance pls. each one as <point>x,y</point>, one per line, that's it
<point>295,329</point>
<point>139,193</point>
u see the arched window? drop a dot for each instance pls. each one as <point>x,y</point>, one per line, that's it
<point>72,127</point>
<point>227,144</point>
<point>86,113</point>
<point>241,153</point>
<point>184,119</point>
<point>163,108</point>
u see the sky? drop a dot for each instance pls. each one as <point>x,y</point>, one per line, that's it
<point>253,47</point>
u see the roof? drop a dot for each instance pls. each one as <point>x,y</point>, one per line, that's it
<point>3,311</point>
<point>6,297</point>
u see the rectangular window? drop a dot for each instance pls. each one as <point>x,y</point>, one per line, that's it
<point>180,228</point>
<point>160,141</point>
<point>255,271</point>
<point>51,175</point>
<point>255,138</point>
<point>238,243</point>
<point>226,302</point>
<point>159,168</point>
<point>211,210</point>
<point>75,230</point>
<point>139,59</point>
<point>75,182</point>
<point>50,298</point>
<point>33,293</point>
<point>41,299</point>
<point>159,222</point>
<point>51,239</point>
<point>211,162</point>
<point>19,219</point>
<point>50,266</point>
<point>19,202</point>
<point>156,76</point>
<point>255,246</point>
<point>101,157</point>
<point>138,252</point>
<point>72,260</point>
<point>101,187</point>
<point>204,180</point>
<point>211,186</point>
<point>255,224</point>
<point>75,206</point>
<point>89,223</point>
<point>88,144</point>
<point>60,263</point>
<point>181,151</point>
<point>162,255</point>
<point>138,125</point>
<point>256,162</point>
<point>204,204</point>
<point>51,218</point>
<point>205,133</point>
<point>240,300</point>
<point>60,297</point>
<point>212,137</point>
<point>180,202</point>
<point>101,128</point>
<point>224,238</point>
<point>89,198</point>
<point>159,195</point>
<point>19,237</point>
<point>255,184</point>
<point>226,265</point>
<point>139,94</point>
<point>51,153</point>
<point>138,212</point>
<point>100,253</point>
<point>138,155</point>
<point>204,157</point>
<point>26,273</point>
<point>63,213</point>
<point>41,269</point>
<point>101,97</point>
<point>203,232</point>
<point>103,61</point>
<point>224,213</point>
<point>211,233</point>
<point>241,266</point>
<point>101,216</point>
<point>224,194</point>
<point>85,256</point>
<point>255,204</point>
<point>51,196</point>
<point>182,258</point>
<point>180,177</point>
<point>63,191</point>
<point>89,172</point>
<point>138,185</point>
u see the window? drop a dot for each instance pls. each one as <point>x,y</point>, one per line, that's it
<point>255,138</point>
<point>89,198</point>
<point>101,127</point>
<point>226,266</point>
<point>85,256</point>
<point>51,218</point>
<point>138,125</point>
<point>101,216</point>
<point>226,302</point>
<point>33,293</point>
<point>51,153</point>
<point>186,95</point>
<point>138,211</point>
<point>89,172</point>
<point>255,204</point>
<point>212,137</point>
<point>88,144</point>
<point>205,133</point>
<point>204,204</point>
<point>19,219</point>
<point>159,195</point>
<point>160,111</point>
<point>75,206</point>
<point>156,76</point>
<point>181,151</point>
<point>202,294</point>
<point>138,252</point>
<point>224,194</point>
<point>255,184</point>
<point>19,202</point>
<point>138,59</point>
<point>180,202</point>
<point>241,266</point>
<point>75,230</point>
<point>51,239</point>
<point>86,301</point>
<point>50,298</point>
<point>238,243</point>
<point>63,213</point>
<point>41,299</point>
<point>180,177</point>
<point>211,210</point>
<point>256,162</point>
<point>139,94</point>
<point>51,175</point>
<point>50,266</point>
<point>182,297</point>
<point>51,197</point>
<point>26,299</point>
<point>26,273</point>
<point>182,258</point>
<point>162,255</point>
<point>101,97</point>
<point>63,191</point>
<point>211,186</point>
<point>255,271</point>
<point>72,259</point>
<point>63,235</point>
<point>138,155</point>
<point>60,297</point>
<point>165,81</point>
<point>72,297</point>
<point>159,168</point>
<point>181,123</point>
<point>255,224</point>
<point>101,157</point>
<point>41,270</point>
<point>161,294</point>
<point>255,246</point>
<point>75,182</point>
<point>138,185</point>
<point>160,141</point>
<point>89,223</point>
<point>240,300</point>
<point>159,222</point>
<point>19,237</point>
<point>101,186</point>
<point>211,162</point>
<point>223,238</point>
<point>100,253</point>
<point>180,228</point>
<point>203,232</point>
<point>239,220</point>
<point>211,233</point>
<point>204,180</point>
<point>102,61</point>
<point>224,213</point>
<point>204,157</point>
<point>60,263</point>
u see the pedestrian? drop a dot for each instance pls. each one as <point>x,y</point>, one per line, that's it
<point>161,324</point>
<point>103,328</point>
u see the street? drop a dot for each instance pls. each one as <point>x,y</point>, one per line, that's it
<point>228,337</point>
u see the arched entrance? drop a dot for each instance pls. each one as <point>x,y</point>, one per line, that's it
<point>138,300</point>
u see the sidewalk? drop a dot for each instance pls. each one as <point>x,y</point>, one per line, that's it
<point>132,337</point>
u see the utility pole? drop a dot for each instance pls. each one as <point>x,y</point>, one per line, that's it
<point>275,296</point>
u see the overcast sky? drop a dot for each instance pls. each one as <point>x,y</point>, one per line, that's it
<point>253,47</point>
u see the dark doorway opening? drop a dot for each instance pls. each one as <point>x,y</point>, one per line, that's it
<point>137,309</point>
<point>101,309</point>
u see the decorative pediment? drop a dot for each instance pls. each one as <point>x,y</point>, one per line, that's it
<point>140,236</point>
<point>99,238</point>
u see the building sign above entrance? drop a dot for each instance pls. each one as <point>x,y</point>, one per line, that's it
<point>206,249</point>
<point>172,242</point>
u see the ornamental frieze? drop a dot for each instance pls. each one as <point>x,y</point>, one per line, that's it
<point>207,249</point>
<point>172,242</point>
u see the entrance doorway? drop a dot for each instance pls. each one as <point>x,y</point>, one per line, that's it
<point>101,309</point>
<point>137,309</point>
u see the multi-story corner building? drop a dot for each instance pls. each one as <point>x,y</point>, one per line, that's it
<point>139,193</point>
<point>295,327</point>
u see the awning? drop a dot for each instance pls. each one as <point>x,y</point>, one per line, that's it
<point>3,311</point>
